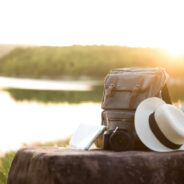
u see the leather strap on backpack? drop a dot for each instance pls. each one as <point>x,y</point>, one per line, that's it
<point>165,95</point>
<point>110,88</point>
<point>135,92</point>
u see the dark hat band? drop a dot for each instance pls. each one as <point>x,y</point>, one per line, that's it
<point>159,135</point>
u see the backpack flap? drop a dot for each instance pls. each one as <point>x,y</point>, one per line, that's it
<point>125,90</point>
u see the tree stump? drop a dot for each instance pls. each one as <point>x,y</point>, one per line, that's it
<point>65,166</point>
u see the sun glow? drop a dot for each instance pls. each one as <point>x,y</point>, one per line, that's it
<point>175,51</point>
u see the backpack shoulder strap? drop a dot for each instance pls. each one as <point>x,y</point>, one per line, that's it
<point>165,95</point>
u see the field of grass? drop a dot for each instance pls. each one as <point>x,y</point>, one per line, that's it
<point>91,61</point>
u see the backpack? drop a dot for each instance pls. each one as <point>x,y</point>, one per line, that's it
<point>124,89</point>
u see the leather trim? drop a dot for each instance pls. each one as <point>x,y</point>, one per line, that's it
<point>135,93</point>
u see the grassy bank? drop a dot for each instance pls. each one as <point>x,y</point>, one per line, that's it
<point>77,61</point>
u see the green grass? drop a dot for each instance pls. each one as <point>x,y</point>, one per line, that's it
<point>5,163</point>
<point>6,160</point>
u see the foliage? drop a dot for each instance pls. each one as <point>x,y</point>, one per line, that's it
<point>77,61</point>
<point>44,96</point>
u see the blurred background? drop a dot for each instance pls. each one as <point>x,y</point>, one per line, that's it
<point>54,55</point>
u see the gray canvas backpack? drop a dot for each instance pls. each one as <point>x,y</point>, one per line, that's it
<point>124,89</point>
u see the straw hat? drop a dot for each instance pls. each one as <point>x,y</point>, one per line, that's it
<point>160,126</point>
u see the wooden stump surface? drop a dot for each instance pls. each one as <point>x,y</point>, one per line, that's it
<point>52,165</point>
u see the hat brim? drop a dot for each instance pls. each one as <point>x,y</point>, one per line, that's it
<point>142,127</point>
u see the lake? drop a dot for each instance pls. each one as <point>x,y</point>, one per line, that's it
<point>45,110</point>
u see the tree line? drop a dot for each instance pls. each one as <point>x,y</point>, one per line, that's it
<point>92,61</point>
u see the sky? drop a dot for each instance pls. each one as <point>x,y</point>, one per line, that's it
<point>135,23</point>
